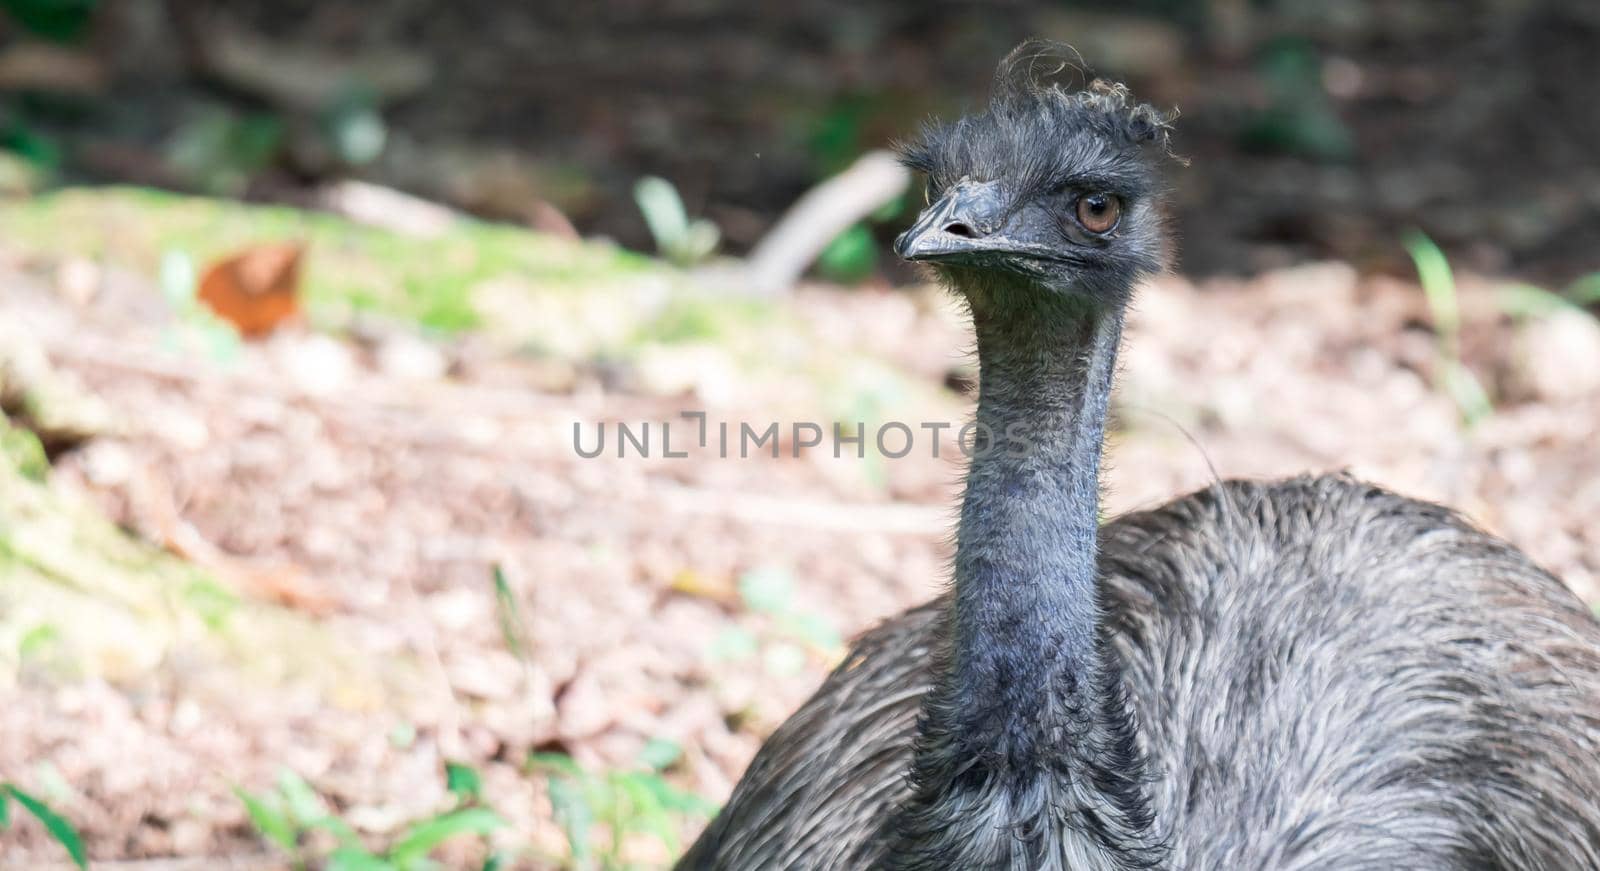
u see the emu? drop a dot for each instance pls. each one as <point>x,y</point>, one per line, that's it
<point>1312,673</point>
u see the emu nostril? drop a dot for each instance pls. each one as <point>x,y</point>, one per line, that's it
<point>960,229</point>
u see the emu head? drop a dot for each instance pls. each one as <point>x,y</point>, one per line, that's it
<point>1048,187</point>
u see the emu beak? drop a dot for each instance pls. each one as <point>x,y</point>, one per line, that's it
<point>962,222</point>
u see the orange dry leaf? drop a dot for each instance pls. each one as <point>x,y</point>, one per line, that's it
<point>257,289</point>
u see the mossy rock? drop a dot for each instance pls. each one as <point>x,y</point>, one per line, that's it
<point>80,598</point>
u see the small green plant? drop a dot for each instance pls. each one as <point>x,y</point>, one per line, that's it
<point>513,631</point>
<point>37,155</point>
<point>54,823</point>
<point>353,126</point>
<point>837,131</point>
<point>793,633</point>
<point>597,812</point>
<point>197,327</point>
<point>21,450</point>
<point>1523,301</point>
<point>220,151</point>
<point>289,815</point>
<point>680,240</point>
<point>600,812</point>
<point>852,256</point>
<point>1439,286</point>
<point>58,20</point>
<point>1585,291</point>
<point>1300,118</point>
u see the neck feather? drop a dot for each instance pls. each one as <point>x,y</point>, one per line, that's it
<point>1025,660</point>
<point>1026,755</point>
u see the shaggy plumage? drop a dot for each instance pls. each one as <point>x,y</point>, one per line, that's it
<point>1323,675</point>
<point>1309,674</point>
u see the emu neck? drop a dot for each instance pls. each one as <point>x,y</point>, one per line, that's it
<point>1025,669</point>
<point>1026,755</point>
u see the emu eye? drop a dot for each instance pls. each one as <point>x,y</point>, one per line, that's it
<point>1099,213</point>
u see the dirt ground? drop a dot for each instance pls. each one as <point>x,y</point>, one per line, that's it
<point>316,472</point>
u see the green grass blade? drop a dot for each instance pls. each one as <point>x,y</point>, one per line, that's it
<point>464,781</point>
<point>641,809</point>
<point>663,212</point>
<point>1468,394</point>
<point>304,805</point>
<point>420,839</point>
<point>681,801</point>
<point>1585,291</point>
<point>659,754</point>
<point>1523,301</point>
<point>574,812</point>
<point>512,629</point>
<point>341,830</point>
<point>357,859</point>
<point>58,827</point>
<point>767,590</point>
<point>271,822</point>
<point>1438,283</point>
<point>557,763</point>
<point>1439,287</point>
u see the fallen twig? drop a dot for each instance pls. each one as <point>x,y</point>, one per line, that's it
<point>819,216</point>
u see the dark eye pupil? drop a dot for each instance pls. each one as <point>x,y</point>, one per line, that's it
<point>1098,212</point>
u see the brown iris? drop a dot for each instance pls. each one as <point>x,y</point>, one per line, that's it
<point>1099,213</point>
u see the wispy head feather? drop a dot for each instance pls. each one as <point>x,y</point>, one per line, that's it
<point>1049,123</point>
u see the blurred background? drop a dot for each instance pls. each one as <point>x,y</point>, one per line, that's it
<point>303,305</point>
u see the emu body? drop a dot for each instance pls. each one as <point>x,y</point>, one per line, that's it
<point>1309,674</point>
<point>1323,675</point>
